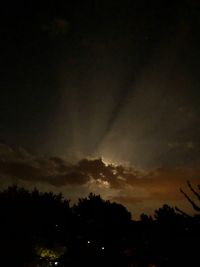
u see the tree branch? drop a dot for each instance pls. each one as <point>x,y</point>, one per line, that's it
<point>193,191</point>
<point>182,212</point>
<point>194,205</point>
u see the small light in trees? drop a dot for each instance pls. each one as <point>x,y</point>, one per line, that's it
<point>88,242</point>
<point>56,263</point>
<point>102,248</point>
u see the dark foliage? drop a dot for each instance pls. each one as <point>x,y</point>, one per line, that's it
<point>41,229</point>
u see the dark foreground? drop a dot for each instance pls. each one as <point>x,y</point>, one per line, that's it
<point>41,229</point>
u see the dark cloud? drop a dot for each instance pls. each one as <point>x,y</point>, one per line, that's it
<point>74,178</point>
<point>19,164</point>
<point>136,189</point>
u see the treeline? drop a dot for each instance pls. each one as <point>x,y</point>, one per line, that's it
<point>42,229</point>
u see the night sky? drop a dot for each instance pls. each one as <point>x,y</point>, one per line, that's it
<point>101,96</point>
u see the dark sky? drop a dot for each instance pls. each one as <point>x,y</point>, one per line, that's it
<point>117,80</point>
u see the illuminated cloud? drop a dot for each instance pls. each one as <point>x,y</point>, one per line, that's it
<point>134,188</point>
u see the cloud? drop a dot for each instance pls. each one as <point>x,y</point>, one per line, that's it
<point>126,185</point>
<point>19,164</point>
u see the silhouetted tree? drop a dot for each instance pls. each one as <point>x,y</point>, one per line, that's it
<point>145,218</point>
<point>28,219</point>
<point>93,210</point>
<point>103,226</point>
<point>188,251</point>
<point>42,229</point>
<point>166,214</point>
